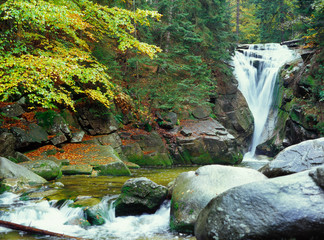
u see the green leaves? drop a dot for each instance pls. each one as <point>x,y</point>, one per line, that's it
<point>46,52</point>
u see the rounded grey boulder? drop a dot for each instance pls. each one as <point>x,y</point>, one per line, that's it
<point>296,158</point>
<point>138,196</point>
<point>193,190</point>
<point>289,207</point>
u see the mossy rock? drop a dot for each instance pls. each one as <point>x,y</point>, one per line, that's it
<point>77,169</point>
<point>42,194</point>
<point>4,188</point>
<point>94,216</point>
<point>154,159</point>
<point>113,169</point>
<point>131,165</point>
<point>138,196</point>
<point>44,168</point>
<point>86,202</point>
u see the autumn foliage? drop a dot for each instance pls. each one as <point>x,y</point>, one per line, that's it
<point>45,50</point>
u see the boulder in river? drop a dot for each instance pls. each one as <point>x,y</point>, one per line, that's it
<point>288,207</point>
<point>10,170</point>
<point>296,158</point>
<point>81,169</point>
<point>45,168</point>
<point>193,190</point>
<point>138,196</point>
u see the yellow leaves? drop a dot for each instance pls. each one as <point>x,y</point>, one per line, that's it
<point>99,96</point>
<point>54,60</point>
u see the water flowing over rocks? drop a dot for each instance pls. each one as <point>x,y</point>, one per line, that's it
<point>193,190</point>
<point>138,196</point>
<point>296,158</point>
<point>256,70</point>
<point>279,208</point>
<point>300,110</point>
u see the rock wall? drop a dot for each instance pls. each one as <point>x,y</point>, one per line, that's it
<point>300,103</point>
<point>231,110</point>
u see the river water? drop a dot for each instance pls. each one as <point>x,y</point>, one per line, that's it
<point>44,214</point>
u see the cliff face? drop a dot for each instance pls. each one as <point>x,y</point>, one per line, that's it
<point>231,110</point>
<point>300,103</point>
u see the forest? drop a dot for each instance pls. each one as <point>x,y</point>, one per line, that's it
<point>139,55</point>
<point>162,119</point>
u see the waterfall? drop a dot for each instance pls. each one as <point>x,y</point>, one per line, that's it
<point>256,70</point>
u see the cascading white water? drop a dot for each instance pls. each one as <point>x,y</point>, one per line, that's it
<point>256,70</point>
<point>43,215</point>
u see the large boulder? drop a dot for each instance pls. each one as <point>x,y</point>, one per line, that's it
<point>96,119</point>
<point>193,190</point>
<point>9,169</point>
<point>54,123</point>
<point>296,158</point>
<point>289,207</point>
<point>44,168</point>
<point>117,168</point>
<point>154,151</point>
<point>7,144</point>
<point>31,136</point>
<point>112,140</point>
<point>133,151</point>
<point>108,163</point>
<point>12,110</point>
<point>138,196</point>
<point>206,142</point>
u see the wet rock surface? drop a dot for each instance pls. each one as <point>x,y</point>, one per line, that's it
<point>280,208</point>
<point>44,168</point>
<point>205,142</point>
<point>138,196</point>
<point>9,169</point>
<point>296,158</point>
<point>193,190</point>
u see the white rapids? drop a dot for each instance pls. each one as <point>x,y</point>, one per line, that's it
<point>256,70</point>
<point>44,215</point>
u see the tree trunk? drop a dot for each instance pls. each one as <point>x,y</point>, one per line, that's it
<point>19,227</point>
<point>237,18</point>
<point>168,34</point>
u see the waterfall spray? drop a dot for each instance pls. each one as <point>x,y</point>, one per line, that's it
<point>256,70</point>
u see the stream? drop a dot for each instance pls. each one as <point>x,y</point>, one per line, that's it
<point>46,215</point>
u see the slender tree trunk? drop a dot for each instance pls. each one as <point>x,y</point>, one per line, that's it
<point>281,20</point>
<point>19,227</point>
<point>237,18</point>
<point>168,34</point>
<point>135,35</point>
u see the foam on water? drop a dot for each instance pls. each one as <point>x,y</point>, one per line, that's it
<point>256,70</point>
<point>43,215</point>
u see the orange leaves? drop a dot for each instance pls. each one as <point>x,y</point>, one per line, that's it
<point>76,153</point>
<point>124,102</point>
